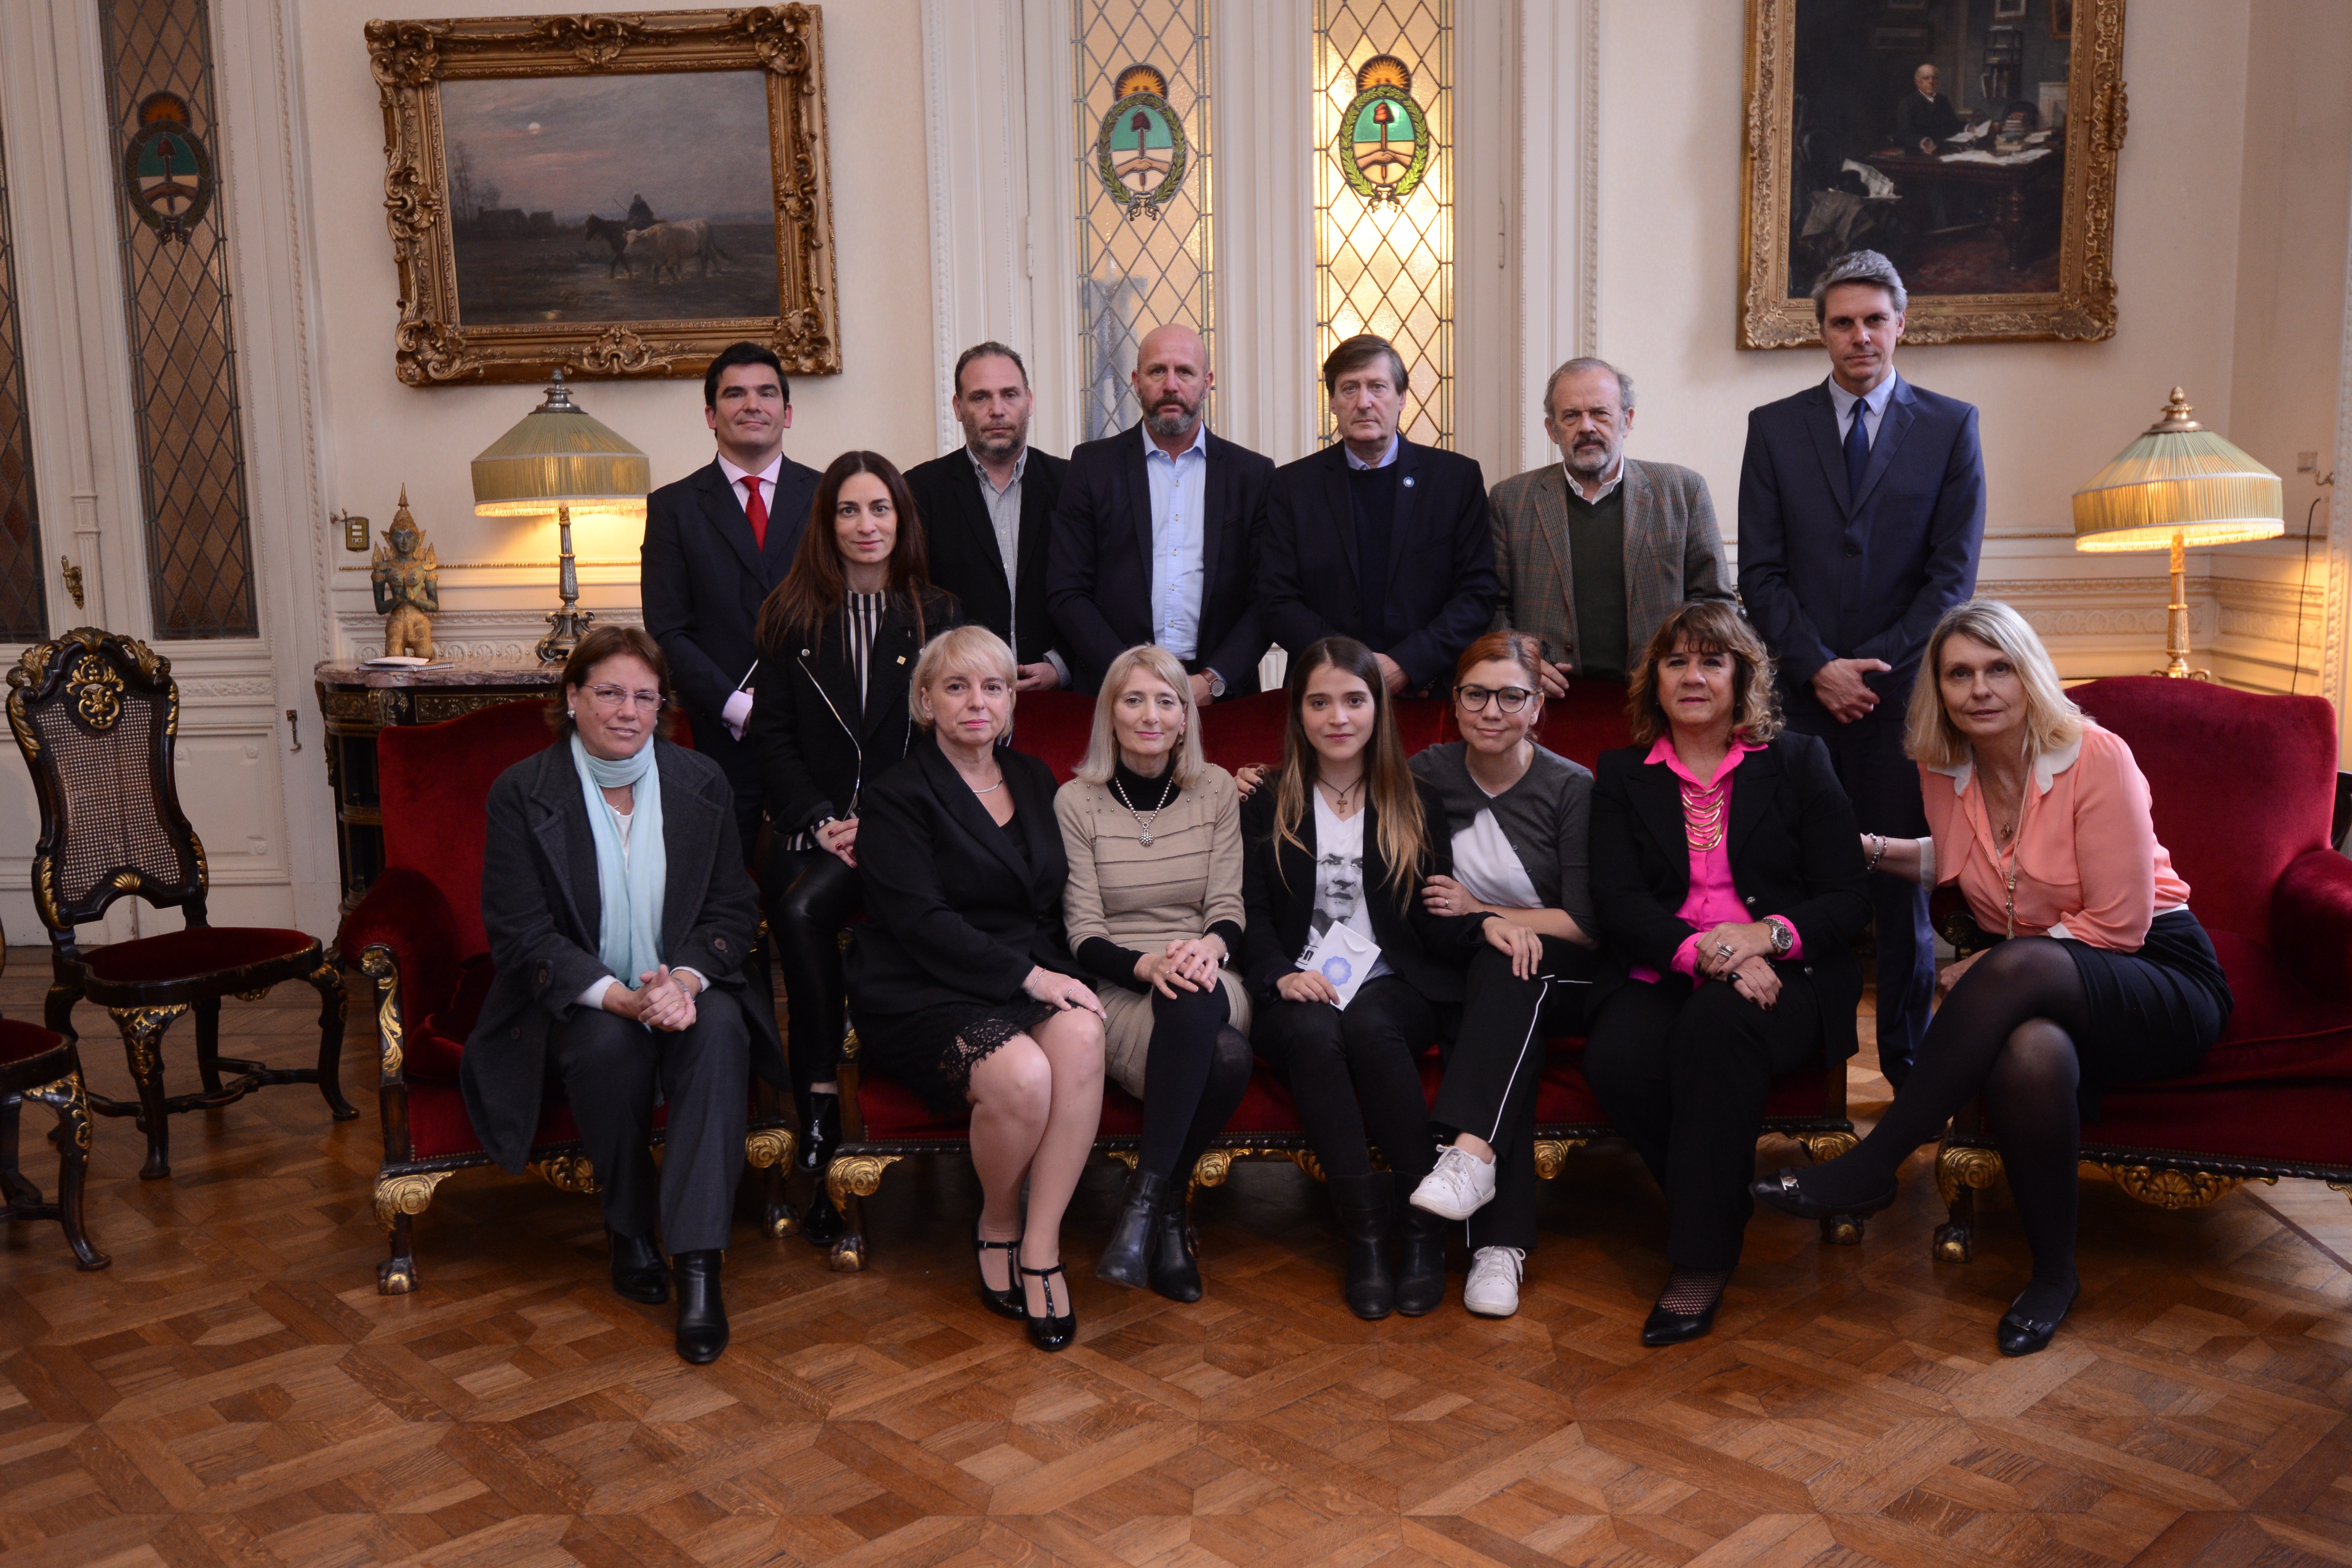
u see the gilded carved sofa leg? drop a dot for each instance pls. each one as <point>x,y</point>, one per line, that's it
<point>1961,1173</point>
<point>142,1046</point>
<point>398,1201</point>
<point>1837,1229</point>
<point>769,1151</point>
<point>846,1180</point>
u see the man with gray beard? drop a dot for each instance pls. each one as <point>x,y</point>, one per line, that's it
<point>1156,538</point>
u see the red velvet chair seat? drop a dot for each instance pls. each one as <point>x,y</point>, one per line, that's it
<point>438,1044</point>
<point>22,1042</point>
<point>194,953</point>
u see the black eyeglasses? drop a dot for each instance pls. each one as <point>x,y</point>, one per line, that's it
<point>1511,699</point>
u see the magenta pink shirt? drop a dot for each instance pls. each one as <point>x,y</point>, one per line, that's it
<point>1711,898</point>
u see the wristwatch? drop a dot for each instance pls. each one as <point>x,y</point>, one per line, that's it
<point>1216,683</point>
<point>1784,935</point>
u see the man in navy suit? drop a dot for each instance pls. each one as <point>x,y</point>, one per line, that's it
<point>715,542</point>
<point>1156,538</point>
<point>1862,508</point>
<point>1376,537</point>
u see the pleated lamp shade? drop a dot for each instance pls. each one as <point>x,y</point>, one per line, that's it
<point>2180,480</point>
<point>561,456</point>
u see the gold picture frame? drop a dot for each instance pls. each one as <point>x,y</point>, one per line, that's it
<point>672,292</point>
<point>2060,219</point>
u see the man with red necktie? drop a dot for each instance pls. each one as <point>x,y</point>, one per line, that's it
<point>715,542</point>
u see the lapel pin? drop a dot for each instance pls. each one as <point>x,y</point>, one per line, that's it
<point>1408,481</point>
<point>902,659</point>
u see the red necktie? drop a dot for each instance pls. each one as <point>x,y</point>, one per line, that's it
<point>756,509</point>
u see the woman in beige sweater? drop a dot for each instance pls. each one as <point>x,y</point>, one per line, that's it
<point>1154,907</point>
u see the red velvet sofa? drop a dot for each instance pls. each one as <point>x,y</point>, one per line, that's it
<point>885,1123</point>
<point>2244,788</point>
<point>418,934</point>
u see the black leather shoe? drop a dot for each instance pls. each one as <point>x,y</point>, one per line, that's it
<point>1175,1268</point>
<point>1053,1332</point>
<point>1004,1303</point>
<point>1125,1258</point>
<point>1367,1208</point>
<point>1664,1328</point>
<point>1421,1261</point>
<point>1780,1190</point>
<point>820,1133</point>
<point>701,1315</point>
<point>820,1223</point>
<point>638,1272</point>
<point>2021,1335</point>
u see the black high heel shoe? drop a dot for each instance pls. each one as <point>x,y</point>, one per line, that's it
<point>1780,1191</point>
<point>638,1272</point>
<point>1007,1302</point>
<point>2018,1335</point>
<point>1175,1268</point>
<point>820,1222</point>
<point>1049,1332</point>
<point>1125,1256</point>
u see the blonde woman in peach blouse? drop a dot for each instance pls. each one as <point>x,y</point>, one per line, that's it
<point>2099,974</point>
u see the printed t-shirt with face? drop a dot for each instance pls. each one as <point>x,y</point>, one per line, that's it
<point>1340,877</point>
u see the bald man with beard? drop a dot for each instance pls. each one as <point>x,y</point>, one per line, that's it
<point>1156,538</point>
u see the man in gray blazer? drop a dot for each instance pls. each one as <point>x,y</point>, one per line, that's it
<point>1596,550</point>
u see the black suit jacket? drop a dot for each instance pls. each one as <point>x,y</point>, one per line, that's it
<point>1919,119</point>
<point>1099,574</point>
<point>1426,951</point>
<point>1441,573</point>
<point>1828,575</point>
<point>964,556</point>
<point>1795,852</point>
<point>703,579</point>
<point>953,912</point>
<point>819,747</point>
<point>541,905</point>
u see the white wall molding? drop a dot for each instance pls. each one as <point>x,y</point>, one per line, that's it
<point>1558,202</point>
<point>1262,53</point>
<point>2335,646</point>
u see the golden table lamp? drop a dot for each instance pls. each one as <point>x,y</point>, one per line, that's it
<point>2178,485</point>
<point>559,458</point>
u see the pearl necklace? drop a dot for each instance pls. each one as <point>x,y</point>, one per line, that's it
<point>1142,821</point>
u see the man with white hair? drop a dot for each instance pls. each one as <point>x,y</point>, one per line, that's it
<point>1861,509</point>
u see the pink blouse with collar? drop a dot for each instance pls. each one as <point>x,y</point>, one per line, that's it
<point>1711,898</point>
<point>2087,862</point>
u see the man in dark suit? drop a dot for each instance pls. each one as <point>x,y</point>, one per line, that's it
<point>1156,538</point>
<point>1862,507</point>
<point>1923,118</point>
<point>1376,537</point>
<point>988,512</point>
<point>715,542</point>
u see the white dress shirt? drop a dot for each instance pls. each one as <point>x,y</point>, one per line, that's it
<point>737,712</point>
<point>1179,537</point>
<point>1609,481</point>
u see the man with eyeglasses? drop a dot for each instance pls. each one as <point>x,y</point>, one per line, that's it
<point>715,542</point>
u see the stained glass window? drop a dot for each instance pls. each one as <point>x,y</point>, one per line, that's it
<point>177,279</point>
<point>1144,197</point>
<point>23,612</point>
<point>1385,192</point>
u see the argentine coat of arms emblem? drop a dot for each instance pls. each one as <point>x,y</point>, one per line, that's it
<point>1140,155</point>
<point>1384,145</point>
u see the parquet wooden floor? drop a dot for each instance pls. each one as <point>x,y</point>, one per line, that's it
<point>233,1392</point>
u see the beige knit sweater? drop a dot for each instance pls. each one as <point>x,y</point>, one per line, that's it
<point>1143,898</point>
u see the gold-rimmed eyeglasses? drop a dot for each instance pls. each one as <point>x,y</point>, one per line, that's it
<point>611,697</point>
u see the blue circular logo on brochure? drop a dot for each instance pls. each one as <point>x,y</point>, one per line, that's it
<point>1336,969</point>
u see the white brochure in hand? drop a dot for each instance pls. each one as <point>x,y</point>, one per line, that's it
<point>1344,958</point>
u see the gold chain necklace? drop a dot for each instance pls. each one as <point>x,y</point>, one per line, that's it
<point>1703,813</point>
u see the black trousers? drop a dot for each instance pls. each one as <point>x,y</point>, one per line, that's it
<point>611,1067</point>
<point>1495,1067</point>
<point>1355,1074</point>
<point>1683,1072</point>
<point>811,895</point>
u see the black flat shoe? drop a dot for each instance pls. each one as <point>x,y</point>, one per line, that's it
<point>1780,1191</point>
<point>1662,1328</point>
<point>1004,1303</point>
<point>1367,1215</point>
<point>701,1315</point>
<point>1175,1270</point>
<point>638,1272</point>
<point>1421,1261</point>
<point>1049,1332</point>
<point>2018,1335</point>
<point>1125,1256</point>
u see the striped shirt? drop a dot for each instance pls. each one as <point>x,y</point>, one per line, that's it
<point>860,624</point>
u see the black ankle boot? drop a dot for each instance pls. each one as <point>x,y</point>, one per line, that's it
<point>1125,1259</point>
<point>1367,1207</point>
<point>701,1315</point>
<point>1175,1268</point>
<point>820,1222</point>
<point>638,1272</point>
<point>1421,1261</point>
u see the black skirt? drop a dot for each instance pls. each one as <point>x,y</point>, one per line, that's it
<point>932,1050</point>
<point>2154,1013</point>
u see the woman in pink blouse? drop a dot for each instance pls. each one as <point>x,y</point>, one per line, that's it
<point>2099,973</point>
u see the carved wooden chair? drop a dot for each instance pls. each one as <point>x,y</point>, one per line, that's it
<point>42,1066</point>
<point>96,715</point>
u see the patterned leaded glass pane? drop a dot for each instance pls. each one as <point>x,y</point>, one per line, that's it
<point>1144,197</point>
<point>176,277</point>
<point>24,612</point>
<point>1385,192</point>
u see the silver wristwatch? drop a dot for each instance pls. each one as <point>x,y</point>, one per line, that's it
<point>1784,935</point>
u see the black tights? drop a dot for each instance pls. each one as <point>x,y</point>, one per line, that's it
<point>2006,1032</point>
<point>811,895</point>
<point>1195,1072</point>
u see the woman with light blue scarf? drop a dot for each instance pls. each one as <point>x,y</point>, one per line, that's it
<point>619,917</point>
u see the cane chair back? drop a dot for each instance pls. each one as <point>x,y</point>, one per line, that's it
<point>96,715</point>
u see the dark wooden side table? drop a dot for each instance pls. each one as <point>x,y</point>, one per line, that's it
<point>356,703</point>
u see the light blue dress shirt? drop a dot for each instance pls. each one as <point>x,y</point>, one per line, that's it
<point>1872,407</point>
<point>1386,457</point>
<point>1180,488</point>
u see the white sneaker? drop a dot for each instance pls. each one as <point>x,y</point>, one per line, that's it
<point>1458,1186</point>
<point>1494,1288</point>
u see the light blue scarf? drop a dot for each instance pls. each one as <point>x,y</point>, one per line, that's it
<point>628,887</point>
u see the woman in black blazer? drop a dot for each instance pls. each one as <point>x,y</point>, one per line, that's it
<point>838,641</point>
<point>619,915</point>
<point>964,987</point>
<point>1343,835</point>
<point>1728,872</point>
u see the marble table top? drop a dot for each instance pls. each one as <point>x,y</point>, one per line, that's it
<point>457,672</point>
